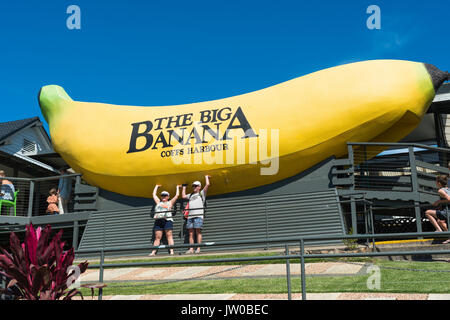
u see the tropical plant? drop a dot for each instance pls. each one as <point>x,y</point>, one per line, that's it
<point>38,269</point>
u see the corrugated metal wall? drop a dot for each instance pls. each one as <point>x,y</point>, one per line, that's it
<point>118,228</point>
<point>243,218</point>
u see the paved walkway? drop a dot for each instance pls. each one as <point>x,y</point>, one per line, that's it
<point>296,296</point>
<point>245,271</point>
<point>216,272</point>
<point>202,272</point>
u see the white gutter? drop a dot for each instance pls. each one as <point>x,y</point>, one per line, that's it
<point>36,162</point>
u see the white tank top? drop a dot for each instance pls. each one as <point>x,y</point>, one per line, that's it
<point>163,211</point>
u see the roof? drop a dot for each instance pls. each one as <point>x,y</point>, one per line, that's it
<point>9,128</point>
<point>443,93</point>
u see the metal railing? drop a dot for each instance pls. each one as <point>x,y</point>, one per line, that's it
<point>414,170</point>
<point>287,243</point>
<point>32,193</point>
<point>405,216</point>
<point>388,172</point>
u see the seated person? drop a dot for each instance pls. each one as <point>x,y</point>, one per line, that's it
<point>7,188</point>
<point>438,216</point>
<point>52,201</point>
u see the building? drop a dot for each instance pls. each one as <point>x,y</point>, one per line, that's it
<point>20,141</point>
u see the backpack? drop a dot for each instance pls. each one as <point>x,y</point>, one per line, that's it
<point>186,211</point>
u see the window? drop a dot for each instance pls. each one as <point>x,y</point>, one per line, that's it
<point>28,146</point>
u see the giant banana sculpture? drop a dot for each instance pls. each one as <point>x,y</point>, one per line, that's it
<point>283,129</point>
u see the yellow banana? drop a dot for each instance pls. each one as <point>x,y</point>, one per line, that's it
<point>284,129</point>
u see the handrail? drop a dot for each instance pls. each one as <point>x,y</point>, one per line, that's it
<point>378,182</point>
<point>31,189</point>
<point>72,175</point>
<point>398,144</point>
<point>273,240</point>
<point>301,240</point>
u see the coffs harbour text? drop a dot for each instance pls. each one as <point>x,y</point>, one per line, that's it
<point>207,126</point>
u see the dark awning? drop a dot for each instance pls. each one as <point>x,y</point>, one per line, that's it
<point>23,165</point>
<point>52,159</point>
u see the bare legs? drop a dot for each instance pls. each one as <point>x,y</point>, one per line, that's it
<point>198,232</point>
<point>438,224</point>
<point>170,240</point>
<point>199,238</point>
<point>158,236</point>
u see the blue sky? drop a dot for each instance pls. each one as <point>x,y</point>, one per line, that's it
<point>147,53</point>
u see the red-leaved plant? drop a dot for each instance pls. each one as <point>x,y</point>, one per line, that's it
<point>38,268</point>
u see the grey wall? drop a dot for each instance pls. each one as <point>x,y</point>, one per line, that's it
<point>314,179</point>
<point>238,218</point>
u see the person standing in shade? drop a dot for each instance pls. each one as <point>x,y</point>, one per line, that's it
<point>163,217</point>
<point>196,203</point>
<point>64,191</point>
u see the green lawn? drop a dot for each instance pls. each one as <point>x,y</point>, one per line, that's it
<point>221,256</point>
<point>413,277</point>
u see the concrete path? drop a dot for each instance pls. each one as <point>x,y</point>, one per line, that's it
<point>296,296</point>
<point>215,272</point>
<point>245,271</point>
